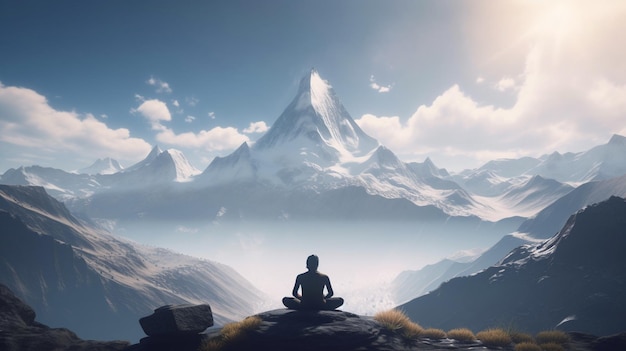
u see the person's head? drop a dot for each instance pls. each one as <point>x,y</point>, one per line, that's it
<point>312,262</point>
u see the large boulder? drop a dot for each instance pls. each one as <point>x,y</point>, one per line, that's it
<point>177,319</point>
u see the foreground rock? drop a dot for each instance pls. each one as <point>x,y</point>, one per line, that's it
<point>20,332</point>
<point>175,320</point>
<point>287,330</point>
<point>175,328</point>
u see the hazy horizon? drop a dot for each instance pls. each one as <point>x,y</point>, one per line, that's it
<point>361,257</point>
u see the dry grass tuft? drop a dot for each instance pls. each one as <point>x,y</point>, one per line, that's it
<point>494,338</point>
<point>461,335</point>
<point>433,333</point>
<point>519,337</point>
<point>397,321</point>
<point>231,333</point>
<point>392,319</point>
<point>527,346</point>
<point>412,331</point>
<point>551,346</point>
<point>552,336</point>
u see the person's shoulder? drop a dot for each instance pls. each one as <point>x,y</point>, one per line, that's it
<point>322,275</point>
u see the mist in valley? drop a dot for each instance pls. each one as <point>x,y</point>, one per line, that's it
<point>361,257</point>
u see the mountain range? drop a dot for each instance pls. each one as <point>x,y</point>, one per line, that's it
<point>78,276</point>
<point>314,149</point>
<point>411,284</point>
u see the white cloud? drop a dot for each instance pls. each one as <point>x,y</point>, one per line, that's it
<point>28,121</point>
<point>480,80</point>
<point>216,139</point>
<point>176,103</point>
<point>570,96</point>
<point>505,84</point>
<point>256,127</point>
<point>162,87</point>
<point>212,115</point>
<point>154,111</point>
<point>377,87</point>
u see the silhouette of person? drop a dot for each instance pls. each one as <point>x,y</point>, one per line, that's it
<point>312,283</point>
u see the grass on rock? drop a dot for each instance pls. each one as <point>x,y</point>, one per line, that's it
<point>231,334</point>
<point>433,333</point>
<point>494,337</point>
<point>519,337</point>
<point>462,335</point>
<point>397,321</point>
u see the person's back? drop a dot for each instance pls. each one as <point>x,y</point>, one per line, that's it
<point>312,284</point>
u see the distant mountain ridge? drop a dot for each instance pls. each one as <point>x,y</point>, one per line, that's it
<point>315,145</point>
<point>77,276</point>
<point>411,284</point>
<point>105,165</point>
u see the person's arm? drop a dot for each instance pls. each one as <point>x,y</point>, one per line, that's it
<point>296,286</point>
<point>329,288</point>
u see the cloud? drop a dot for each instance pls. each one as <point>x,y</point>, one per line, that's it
<point>162,87</point>
<point>505,84</point>
<point>176,103</point>
<point>192,101</point>
<point>216,139</point>
<point>212,115</point>
<point>569,96</point>
<point>154,111</point>
<point>377,87</point>
<point>28,121</point>
<point>256,127</point>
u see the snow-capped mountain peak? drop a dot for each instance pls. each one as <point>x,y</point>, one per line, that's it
<point>170,163</point>
<point>316,117</point>
<point>154,153</point>
<point>102,166</point>
<point>184,170</point>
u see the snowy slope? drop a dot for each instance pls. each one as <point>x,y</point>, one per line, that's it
<point>160,167</point>
<point>102,166</point>
<point>598,163</point>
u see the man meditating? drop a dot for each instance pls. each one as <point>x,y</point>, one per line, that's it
<point>312,283</point>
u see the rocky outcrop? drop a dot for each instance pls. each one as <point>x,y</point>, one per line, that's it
<point>175,320</point>
<point>287,330</point>
<point>175,328</point>
<point>20,332</point>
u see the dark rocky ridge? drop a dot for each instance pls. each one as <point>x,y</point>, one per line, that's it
<point>20,332</point>
<point>575,280</point>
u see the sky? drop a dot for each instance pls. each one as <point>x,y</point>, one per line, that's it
<point>461,82</point>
